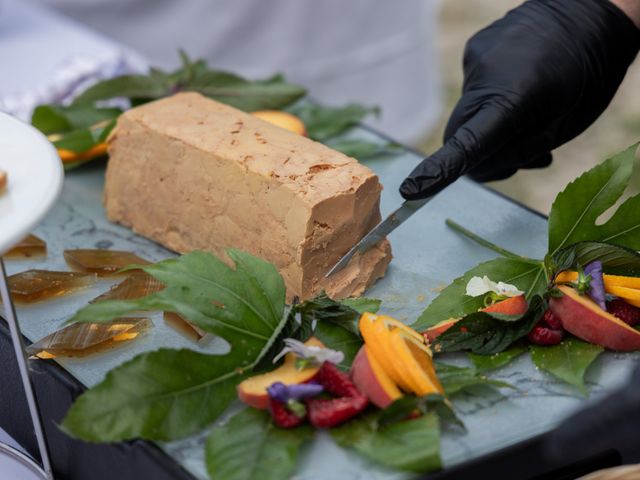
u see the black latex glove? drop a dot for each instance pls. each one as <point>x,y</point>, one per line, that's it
<point>533,80</point>
<point>610,423</point>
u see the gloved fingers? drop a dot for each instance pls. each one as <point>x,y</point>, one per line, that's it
<point>507,162</point>
<point>483,134</point>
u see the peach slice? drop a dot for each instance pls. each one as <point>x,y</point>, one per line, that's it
<point>392,323</point>
<point>624,292</point>
<point>253,390</point>
<point>374,333</point>
<point>415,358</point>
<point>510,306</point>
<point>586,320</point>
<point>372,380</point>
<point>281,119</point>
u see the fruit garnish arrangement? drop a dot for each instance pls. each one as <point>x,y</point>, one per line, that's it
<point>79,130</point>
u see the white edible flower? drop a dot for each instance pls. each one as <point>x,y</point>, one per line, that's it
<point>481,285</point>
<point>316,354</point>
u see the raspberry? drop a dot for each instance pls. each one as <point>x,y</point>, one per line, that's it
<point>551,320</point>
<point>327,413</point>
<point>541,335</point>
<point>282,416</point>
<point>626,312</point>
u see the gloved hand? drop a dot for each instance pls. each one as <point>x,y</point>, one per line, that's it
<point>533,80</point>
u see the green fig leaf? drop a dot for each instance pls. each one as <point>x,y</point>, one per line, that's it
<point>456,379</point>
<point>250,447</point>
<point>410,445</point>
<point>568,361</point>
<point>575,211</point>
<point>497,360</point>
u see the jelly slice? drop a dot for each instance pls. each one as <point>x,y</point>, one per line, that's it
<point>82,339</point>
<point>138,284</point>
<point>186,328</point>
<point>29,247</point>
<point>101,262</point>
<point>36,285</point>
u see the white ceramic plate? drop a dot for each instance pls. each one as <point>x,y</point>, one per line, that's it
<point>35,179</point>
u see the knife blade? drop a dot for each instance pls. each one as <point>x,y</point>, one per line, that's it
<point>380,231</point>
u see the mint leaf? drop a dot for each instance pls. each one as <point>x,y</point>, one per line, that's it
<point>459,379</point>
<point>147,87</point>
<point>250,447</point>
<point>492,362</point>
<point>161,395</point>
<point>485,333</point>
<point>245,305</point>
<point>576,209</point>
<point>83,139</point>
<point>411,445</point>
<point>362,304</point>
<point>270,94</point>
<point>336,323</point>
<point>615,259</point>
<point>567,361</point>
<point>323,123</point>
<point>51,119</point>
<point>453,302</point>
<point>406,406</point>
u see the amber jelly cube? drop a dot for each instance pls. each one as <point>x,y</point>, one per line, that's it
<point>36,285</point>
<point>101,262</point>
<point>29,247</point>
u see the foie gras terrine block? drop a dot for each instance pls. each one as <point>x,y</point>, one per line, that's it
<point>195,174</point>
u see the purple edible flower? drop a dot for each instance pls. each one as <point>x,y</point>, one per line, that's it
<point>596,285</point>
<point>283,393</point>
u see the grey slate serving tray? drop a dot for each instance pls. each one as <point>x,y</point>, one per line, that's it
<point>427,256</point>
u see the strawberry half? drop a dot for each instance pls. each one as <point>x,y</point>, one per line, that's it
<point>327,413</point>
<point>282,416</point>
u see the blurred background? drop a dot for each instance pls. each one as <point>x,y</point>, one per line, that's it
<point>406,59</point>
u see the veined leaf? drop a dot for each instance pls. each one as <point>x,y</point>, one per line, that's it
<point>459,379</point>
<point>491,362</point>
<point>406,406</point>
<point>484,334</point>
<point>245,305</point>
<point>576,209</point>
<point>51,119</point>
<point>250,447</point>
<point>335,323</point>
<point>270,94</point>
<point>147,87</point>
<point>411,445</point>
<point>323,123</point>
<point>362,304</point>
<point>161,395</point>
<point>568,360</point>
<point>84,139</point>
<point>615,259</point>
<point>527,275</point>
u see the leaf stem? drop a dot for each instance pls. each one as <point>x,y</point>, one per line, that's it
<point>485,243</point>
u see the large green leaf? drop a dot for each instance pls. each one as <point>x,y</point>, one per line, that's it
<point>245,305</point>
<point>491,362</point>
<point>168,394</point>
<point>411,445</point>
<point>527,275</point>
<point>161,395</point>
<point>567,361</point>
<point>576,209</point>
<point>487,333</point>
<point>250,447</point>
<point>456,379</point>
